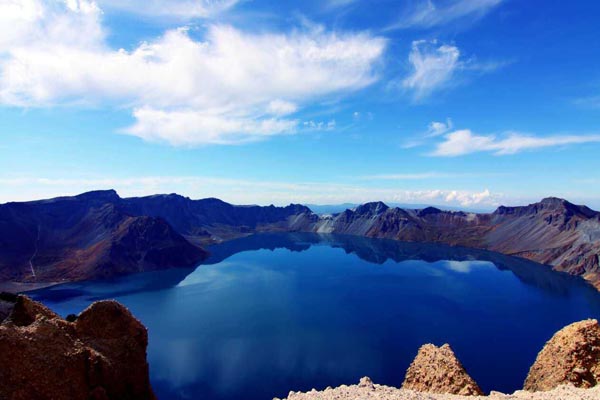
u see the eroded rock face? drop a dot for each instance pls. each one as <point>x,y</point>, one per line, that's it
<point>572,356</point>
<point>437,370</point>
<point>99,356</point>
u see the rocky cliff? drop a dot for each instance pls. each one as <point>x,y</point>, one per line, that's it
<point>572,357</point>
<point>99,355</point>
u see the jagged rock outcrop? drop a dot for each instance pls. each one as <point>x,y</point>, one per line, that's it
<point>99,356</point>
<point>437,370</point>
<point>572,356</point>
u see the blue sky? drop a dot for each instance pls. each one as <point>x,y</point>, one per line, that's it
<point>470,103</point>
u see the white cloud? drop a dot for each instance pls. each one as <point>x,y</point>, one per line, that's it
<point>417,176</point>
<point>464,141</point>
<point>438,128</point>
<point>319,125</point>
<point>184,9</point>
<point>232,86</point>
<point>435,66</point>
<point>429,13</point>
<point>281,107</point>
<point>412,176</point>
<point>467,198</point>
<point>432,65</point>
<point>241,191</point>
<point>180,128</point>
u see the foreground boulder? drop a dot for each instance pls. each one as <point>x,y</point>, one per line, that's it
<point>99,356</point>
<point>437,370</point>
<point>572,356</point>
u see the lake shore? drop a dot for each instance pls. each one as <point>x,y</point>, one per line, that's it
<point>24,287</point>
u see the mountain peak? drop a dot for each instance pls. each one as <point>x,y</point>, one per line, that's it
<point>549,204</point>
<point>428,211</point>
<point>373,208</point>
<point>554,202</point>
<point>109,195</point>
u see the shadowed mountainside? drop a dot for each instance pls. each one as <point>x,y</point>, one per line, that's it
<point>98,234</point>
<point>210,220</point>
<point>85,237</point>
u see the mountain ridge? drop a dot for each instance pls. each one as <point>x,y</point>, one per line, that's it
<point>97,234</point>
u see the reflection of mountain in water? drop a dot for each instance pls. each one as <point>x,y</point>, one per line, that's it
<point>378,251</point>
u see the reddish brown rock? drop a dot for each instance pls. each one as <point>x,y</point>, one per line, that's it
<point>572,356</point>
<point>100,356</point>
<point>437,370</point>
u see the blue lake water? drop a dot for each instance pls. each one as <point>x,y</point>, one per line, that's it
<point>278,312</point>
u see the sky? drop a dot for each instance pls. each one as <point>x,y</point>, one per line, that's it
<point>462,103</point>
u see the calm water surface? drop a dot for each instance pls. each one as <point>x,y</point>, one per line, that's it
<point>273,313</point>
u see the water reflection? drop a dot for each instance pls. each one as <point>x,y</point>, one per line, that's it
<point>379,251</point>
<point>277,312</point>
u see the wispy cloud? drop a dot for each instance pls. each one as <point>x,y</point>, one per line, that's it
<point>462,142</point>
<point>241,191</point>
<point>435,66</point>
<point>332,4</point>
<point>181,9</point>
<point>230,87</point>
<point>406,176</point>
<point>427,175</point>
<point>436,128</point>
<point>430,13</point>
<point>588,102</point>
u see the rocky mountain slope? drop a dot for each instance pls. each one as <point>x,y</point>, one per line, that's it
<point>99,355</point>
<point>209,220</point>
<point>99,234</point>
<point>85,237</point>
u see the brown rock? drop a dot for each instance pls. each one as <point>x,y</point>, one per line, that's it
<point>25,311</point>
<point>572,356</point>
<point>101,356</point>
<point>437,370</point>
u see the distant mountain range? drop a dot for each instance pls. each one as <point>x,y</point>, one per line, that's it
<point>99,234</point>
<point>338,208</point>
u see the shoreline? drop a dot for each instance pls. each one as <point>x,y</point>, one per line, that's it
<point>382,392</point>
<point>24,287</point>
